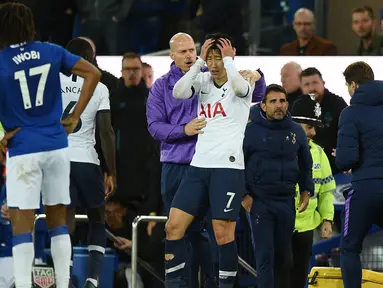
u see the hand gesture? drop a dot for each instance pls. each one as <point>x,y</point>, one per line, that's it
<point>70,123</point>
<point>149,228</point>
<point>5,212</point>
<point>123,243</point>
<point>226,49</point>
<point>8,136</point>
<point>250,76</point>
<point>205,47</point>
<point>247,203</point>
<point>326,230</point>
<point>303,202</point>
<point>195,126</point>
<point>110,185</point>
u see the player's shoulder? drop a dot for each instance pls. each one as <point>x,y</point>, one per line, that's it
<point>102,90</point>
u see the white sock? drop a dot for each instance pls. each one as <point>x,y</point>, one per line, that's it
<point>61,254</point>
<point>23,255</point>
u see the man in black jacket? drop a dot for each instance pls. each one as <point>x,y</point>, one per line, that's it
<point>277,157</point>
<point>138,164</point>
<point>331,105</point>
<point>360,148</point>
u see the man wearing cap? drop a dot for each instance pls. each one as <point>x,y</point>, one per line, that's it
<point>277,157</point>
<point>320,211</point>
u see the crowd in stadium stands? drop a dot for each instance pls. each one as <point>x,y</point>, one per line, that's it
<point>136,107</point>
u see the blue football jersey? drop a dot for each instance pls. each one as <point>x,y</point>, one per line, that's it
<point>30,95</point>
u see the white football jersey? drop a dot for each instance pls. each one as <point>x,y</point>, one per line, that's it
<point>82,140</point>
<point>220,146</point>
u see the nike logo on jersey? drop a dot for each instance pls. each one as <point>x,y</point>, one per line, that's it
<point>203,92</point>
<point>227,210</point>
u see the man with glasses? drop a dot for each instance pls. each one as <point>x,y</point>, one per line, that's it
<point>136,150</point>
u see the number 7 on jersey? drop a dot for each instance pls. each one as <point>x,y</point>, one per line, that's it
<point>42,70</point>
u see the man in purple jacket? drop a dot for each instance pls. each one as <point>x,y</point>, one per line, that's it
<point>175,124</point>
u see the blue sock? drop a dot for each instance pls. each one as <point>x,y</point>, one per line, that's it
<point>176,268</point>
<point>96,248</point>
<point>228,264</point>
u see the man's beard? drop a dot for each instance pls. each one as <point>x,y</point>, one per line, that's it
<point>368,36</point>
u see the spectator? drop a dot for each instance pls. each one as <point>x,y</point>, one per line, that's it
<point>365,26</point>
<point>290,78</point>
<point>320,211</point>
<point>147,74</point>
<point>331,105</point>
<point>307,44</point>
<point>100,21</point>
<point>119,216</point>
<point>136,154</point>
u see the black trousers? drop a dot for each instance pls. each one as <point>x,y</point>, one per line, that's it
<point>302,246</point>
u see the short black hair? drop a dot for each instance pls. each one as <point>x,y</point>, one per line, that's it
<point>364,9</point>
<point>80,47</point>
<point>216,37</point>
<point>311,71</point>
<point>359,72</point>
<point>16,24</point>
<point>131,55</point>
<point>274,88</point>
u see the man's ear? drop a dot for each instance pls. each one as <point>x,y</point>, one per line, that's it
<point>171,54</point>
<point>263,107</point>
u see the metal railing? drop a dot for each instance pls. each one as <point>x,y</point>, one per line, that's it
<point>140,219</point>
<point>135,224</point>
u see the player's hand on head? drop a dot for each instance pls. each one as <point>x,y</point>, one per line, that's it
<point>70,123</point>
<point>226,49</point>
<point>205,47</point>
<point>110,185</point>
<point>250,76</point>
<point>195,126</point>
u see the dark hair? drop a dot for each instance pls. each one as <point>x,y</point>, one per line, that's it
<point>311,71</point>
<point>273,88</point>
<point>81,47</point>
<point>359,72</point>
<point>364,9</point>
<point>131,55</point>
<point>16,24</point>
<point>146,65</point>
<point>216,37</point>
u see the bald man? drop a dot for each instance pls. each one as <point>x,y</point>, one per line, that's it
<point>290,78</point>
<point>175,124</point>
<point>307,43</point>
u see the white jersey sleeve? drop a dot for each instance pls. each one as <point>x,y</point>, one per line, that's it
<point>104,97</point>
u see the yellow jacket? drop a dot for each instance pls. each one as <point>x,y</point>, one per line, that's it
<point>321,205</point>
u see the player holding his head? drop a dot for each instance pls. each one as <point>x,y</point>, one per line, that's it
<point>86,180</point>
<point>216,176</point>
<point>30,98</point>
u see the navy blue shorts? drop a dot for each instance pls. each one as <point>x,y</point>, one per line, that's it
<point>87,188</point>
<point>220,189</point>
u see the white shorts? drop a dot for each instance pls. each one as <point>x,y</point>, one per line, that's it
<point>29,174</point>
<point>6,272</point>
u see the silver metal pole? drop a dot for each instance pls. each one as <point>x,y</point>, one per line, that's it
<point>247,266</point>
<point>135,224</point>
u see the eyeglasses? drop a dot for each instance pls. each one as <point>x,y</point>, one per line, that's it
<point>132,69</point>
